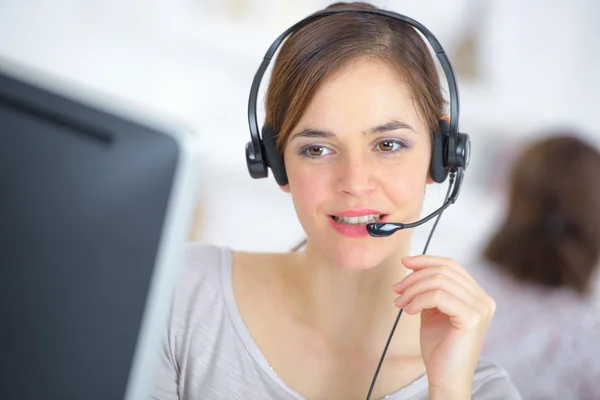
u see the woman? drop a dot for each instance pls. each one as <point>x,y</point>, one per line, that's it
<point>542,268</point>
<point>354,99</point>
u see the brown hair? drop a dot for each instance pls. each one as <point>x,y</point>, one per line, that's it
<point>313,52</point>
<point>551,234</point>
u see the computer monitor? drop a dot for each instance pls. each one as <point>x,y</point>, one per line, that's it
<point>95,206</point>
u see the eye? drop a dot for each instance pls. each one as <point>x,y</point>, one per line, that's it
<point>315,151</point>
<point>390,146</point>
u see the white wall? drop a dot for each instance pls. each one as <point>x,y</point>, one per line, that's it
<point>195,60</point>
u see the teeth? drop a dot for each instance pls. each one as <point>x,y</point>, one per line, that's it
<point>358,220</point>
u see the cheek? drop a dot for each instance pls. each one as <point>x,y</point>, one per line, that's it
<point>403,187</point>
<point>405,182</point>
<point>308,186</point>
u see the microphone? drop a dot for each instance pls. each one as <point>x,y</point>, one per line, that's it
<point>386,229</point>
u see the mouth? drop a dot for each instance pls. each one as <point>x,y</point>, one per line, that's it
<point>354,223</point>
<point>358,220</point>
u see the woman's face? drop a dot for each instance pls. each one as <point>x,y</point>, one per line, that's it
<point>359,152</point>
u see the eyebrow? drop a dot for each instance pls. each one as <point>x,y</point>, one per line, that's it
<point>392,126</point>
<point>387,127</point>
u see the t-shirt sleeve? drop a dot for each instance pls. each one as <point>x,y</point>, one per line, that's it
<point>493,383</point>
<point>167,375</point>
<point>198,273</point>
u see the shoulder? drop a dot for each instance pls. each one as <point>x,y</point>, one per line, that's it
<point>200,255</point>
<point>206,277</point>
<point>199,287</point>
<point>197,305</point>
<point>202,266</point>
<point>209,268</point>
<point>255,270</point>
<point>492,382</point>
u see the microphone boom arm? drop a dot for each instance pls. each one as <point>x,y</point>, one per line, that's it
<point>386,229</point>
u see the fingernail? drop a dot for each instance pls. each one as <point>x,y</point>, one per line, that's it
<point>397,285</point>
<point>398,301</point>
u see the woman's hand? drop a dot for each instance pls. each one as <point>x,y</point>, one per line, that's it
<point>455,315</point>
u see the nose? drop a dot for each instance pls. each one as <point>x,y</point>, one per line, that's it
<point>355,176</point>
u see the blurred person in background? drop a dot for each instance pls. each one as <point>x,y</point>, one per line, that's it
<point>354,100</point>
<point>541,268</point>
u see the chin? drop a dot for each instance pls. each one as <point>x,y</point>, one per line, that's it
<point>356,250</point>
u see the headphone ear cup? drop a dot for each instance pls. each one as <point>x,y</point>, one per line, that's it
<point>274,160</point>
<point>437,168</point>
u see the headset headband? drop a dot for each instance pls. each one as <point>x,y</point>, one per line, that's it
<point>435,44</point>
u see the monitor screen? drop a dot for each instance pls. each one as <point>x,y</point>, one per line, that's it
<point>88,202</point>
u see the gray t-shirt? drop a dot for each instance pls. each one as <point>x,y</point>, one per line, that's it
<point>208,352</point>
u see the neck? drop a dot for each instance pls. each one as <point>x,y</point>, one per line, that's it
<point>349,308</point>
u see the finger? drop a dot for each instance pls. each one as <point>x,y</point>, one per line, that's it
<point>461,314</point>
<point>435,270</point>
<point>423,261</point>
<point>439,282</point>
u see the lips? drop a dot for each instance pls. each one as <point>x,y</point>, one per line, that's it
<point>353,223</point>
<point>366,219</point>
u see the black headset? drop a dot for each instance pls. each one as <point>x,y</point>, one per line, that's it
<point>450,149</point>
